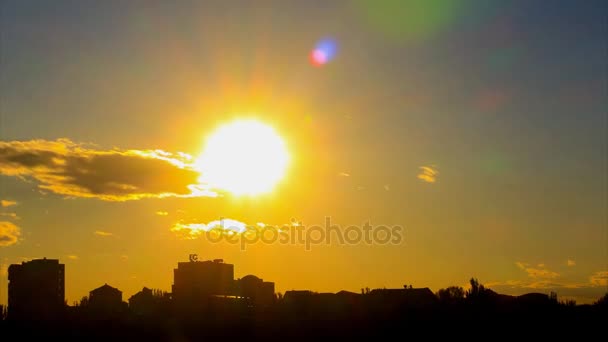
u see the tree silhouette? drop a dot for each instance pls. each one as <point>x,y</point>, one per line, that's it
<point>451,295</point>
<point>603,302</point>
<point>553,297</point>
<point>84,301</point>
<point>477,292</point>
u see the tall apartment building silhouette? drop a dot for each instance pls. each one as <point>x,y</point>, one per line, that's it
<point>36,289</point>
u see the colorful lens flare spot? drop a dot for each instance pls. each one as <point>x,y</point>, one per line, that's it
<point>324,51</point>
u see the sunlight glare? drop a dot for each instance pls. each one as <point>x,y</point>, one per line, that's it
<point>244,157</point>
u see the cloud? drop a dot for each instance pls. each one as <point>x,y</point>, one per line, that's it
<point>7,203</point>
<point>194,230</point>
<point>428,174</point>
<point>599,278</point>
<point>9,233</point>
<point>77,170</point>
<point>72,257</point>
<point>571,263</point>
<point>545,280</point>
<point>14,216</point>
<point>344,174</point>
<point>537,273</point>
<point>582,292</point>
<point>124,257</point>
<point>537,285</point>
<point>102,233</point>
<point>162,213</point>
<point>387,187</point>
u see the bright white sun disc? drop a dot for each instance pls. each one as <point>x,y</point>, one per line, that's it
<point>244,157</point>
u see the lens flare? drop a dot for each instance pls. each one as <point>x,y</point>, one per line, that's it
<point>324,52</point>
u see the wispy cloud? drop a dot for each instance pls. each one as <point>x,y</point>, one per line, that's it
<point>428,174</point>
<point>570,263</point>
<point>194,230</point>
<point>545,281</point>
<point>344,174</point>
<point>102,233</point>
<point>7,203</point>
<point>387,187</point>
<point>542,278</point>
<point>13,216</point>
<point>599,278</point>
<point>521,265</point>
<point>72,257</point>
<point>539,272</point>
<point>9,233</point>
<point>162,213</point>
<point>77,170</point>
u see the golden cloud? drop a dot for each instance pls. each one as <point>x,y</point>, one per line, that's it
<point>102,233</point>
<point>162,213</point>
<point>13,216</point>
<point>75,170</point>
<point>541,273</point>
<point>194,230</point>
<point>599,278</point>
<point>9,233</point>
<point>7,203</point>
<point>428,174</point>
<point>537,273</point>
<point>571,262</point>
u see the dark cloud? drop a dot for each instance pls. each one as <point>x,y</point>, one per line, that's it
<point>76,170</point>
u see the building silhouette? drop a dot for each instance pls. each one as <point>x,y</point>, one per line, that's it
<point>36,289</point>
<point>106,299</point>
<point>142,303</point>
<point>259,292</point>
<point>149,302</point>
<point>195,282</point>
<point>410,298</point>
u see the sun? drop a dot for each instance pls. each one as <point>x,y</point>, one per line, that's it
<point>244,157</point>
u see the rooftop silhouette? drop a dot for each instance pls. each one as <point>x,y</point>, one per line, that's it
<point>206,300</point>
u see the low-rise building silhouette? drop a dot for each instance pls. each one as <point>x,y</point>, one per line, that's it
<point>259,292</point>
<point>36,289</point>
<point>411,298</point>
<point>149,302</point>
<point>106,299</point>
<point>142,303</point>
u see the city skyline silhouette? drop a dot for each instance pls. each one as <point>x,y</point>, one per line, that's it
<point>207,301</point>
<point>260,169</point>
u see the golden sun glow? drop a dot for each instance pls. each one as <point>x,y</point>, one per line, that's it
<point>244,157</point>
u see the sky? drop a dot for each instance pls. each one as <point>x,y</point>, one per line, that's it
<point>478,128</point>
